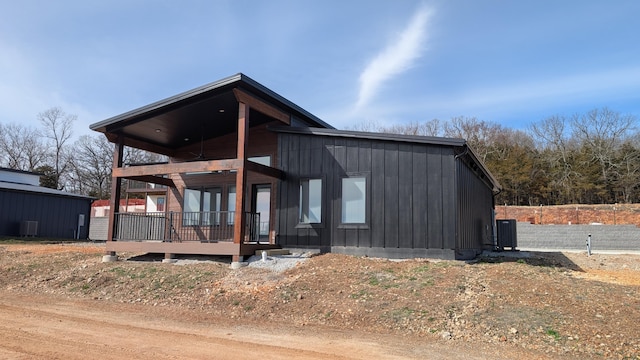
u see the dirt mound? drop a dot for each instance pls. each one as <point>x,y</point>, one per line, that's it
<point>549,304</point>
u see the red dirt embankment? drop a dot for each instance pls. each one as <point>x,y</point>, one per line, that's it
<point>608,214</point>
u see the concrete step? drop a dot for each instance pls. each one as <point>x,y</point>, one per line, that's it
<point>273,252</point>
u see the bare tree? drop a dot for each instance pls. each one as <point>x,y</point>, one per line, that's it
<point>551,138</point>
<point>427,128</point>
<point>432,127</point>
<point>21,147</point>
<point>137,156</point>
<point>627,172</point>
<point>479,134</point>
<point>91,166</point>
<point>368,126</point>
<point>57,129</point>
<point>603,131</point>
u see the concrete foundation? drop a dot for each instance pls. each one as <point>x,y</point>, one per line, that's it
<point>238,264</point>
<point>109,258</point>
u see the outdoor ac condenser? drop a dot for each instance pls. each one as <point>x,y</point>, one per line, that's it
<point>29,228</point>
<point>507,234</point>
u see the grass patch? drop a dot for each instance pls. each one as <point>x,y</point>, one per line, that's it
<point>359,295</point>
<point>398,315</point>
<point>553,333</point>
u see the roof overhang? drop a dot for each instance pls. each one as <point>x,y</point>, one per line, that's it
<point>206,112</point>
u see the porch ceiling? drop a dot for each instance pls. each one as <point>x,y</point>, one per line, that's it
<point>203,113</point>
<point>186,124</point>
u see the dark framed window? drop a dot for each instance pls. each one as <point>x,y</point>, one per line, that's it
<point>310,205</point>
<point>201,207</point>
<point>355,200</point>
<point>231,205</point>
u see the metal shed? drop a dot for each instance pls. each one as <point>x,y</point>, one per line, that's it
<point>31,210</point>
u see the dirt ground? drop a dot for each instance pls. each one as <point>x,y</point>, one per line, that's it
<point>61,301</point>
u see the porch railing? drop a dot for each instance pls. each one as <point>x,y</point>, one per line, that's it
<point>203,226</point>
<point>141,185</point>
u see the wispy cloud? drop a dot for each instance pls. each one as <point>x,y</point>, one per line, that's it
<point>395,58</point>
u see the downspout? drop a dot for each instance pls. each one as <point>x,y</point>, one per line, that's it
<point>493,217</point>
<point>465,152</point>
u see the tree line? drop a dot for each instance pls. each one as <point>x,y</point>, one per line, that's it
<point>590,158</point>
<point>82,166</point>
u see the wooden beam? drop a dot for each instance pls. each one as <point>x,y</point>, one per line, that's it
<point>139,144</point>
<point>174,168</point>
<point>187,247</point>
<point>154,180</point>
<point>241,175</point>
<point>264,170</point>
<point>116,187</point>
<point>261,106</point>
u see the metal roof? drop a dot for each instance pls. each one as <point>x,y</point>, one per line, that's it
<point>371,135</point>
<point>414,139</point>
<point>205,112</point>
<point>39,190</point>
<point>19,171</point>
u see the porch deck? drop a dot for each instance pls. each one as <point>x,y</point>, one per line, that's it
<point>206,233</point>
<point>190,247</point>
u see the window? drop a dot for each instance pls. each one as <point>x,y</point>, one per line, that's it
<point>191,208</point>
<point>201,207</point>
<point>354,200</point>
<point>160,204</point>
<point>263,160</point>
<point>211,201</point>
<point>231,205</point>
<point>310,209</point>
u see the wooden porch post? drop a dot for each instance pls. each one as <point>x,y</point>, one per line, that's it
<point>114,202</point>
<point>241,176</point>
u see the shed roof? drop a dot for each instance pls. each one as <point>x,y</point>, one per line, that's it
<point>39,190</point>
<point>371,135</point>
<point>465,150</point>
<point>202,113</point>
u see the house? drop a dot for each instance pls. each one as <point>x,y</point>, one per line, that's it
<point>250,170</point>
<point>28,209</point>
<point>101,208</point>
<point>154,195</point>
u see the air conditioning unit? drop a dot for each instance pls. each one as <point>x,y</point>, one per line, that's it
<point>507,234</point>
<point>29,228</point>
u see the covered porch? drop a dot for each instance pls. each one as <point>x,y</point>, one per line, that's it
<point>212,137</point>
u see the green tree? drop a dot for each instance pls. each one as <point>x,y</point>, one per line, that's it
<point>48,176</point>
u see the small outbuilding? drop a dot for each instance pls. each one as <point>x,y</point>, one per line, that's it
<point>28,209</point>
<point>249,170</point>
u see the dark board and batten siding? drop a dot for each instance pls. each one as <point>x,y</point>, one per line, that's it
<point>410,201</point>
<point>475,207</point>
<point>57,216</point>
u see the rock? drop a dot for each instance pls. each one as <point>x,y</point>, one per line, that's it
<point>446,335</point>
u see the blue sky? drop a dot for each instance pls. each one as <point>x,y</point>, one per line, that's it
<point>348,62</point>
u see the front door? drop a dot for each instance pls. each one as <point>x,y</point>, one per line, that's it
<point>261,200</point>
